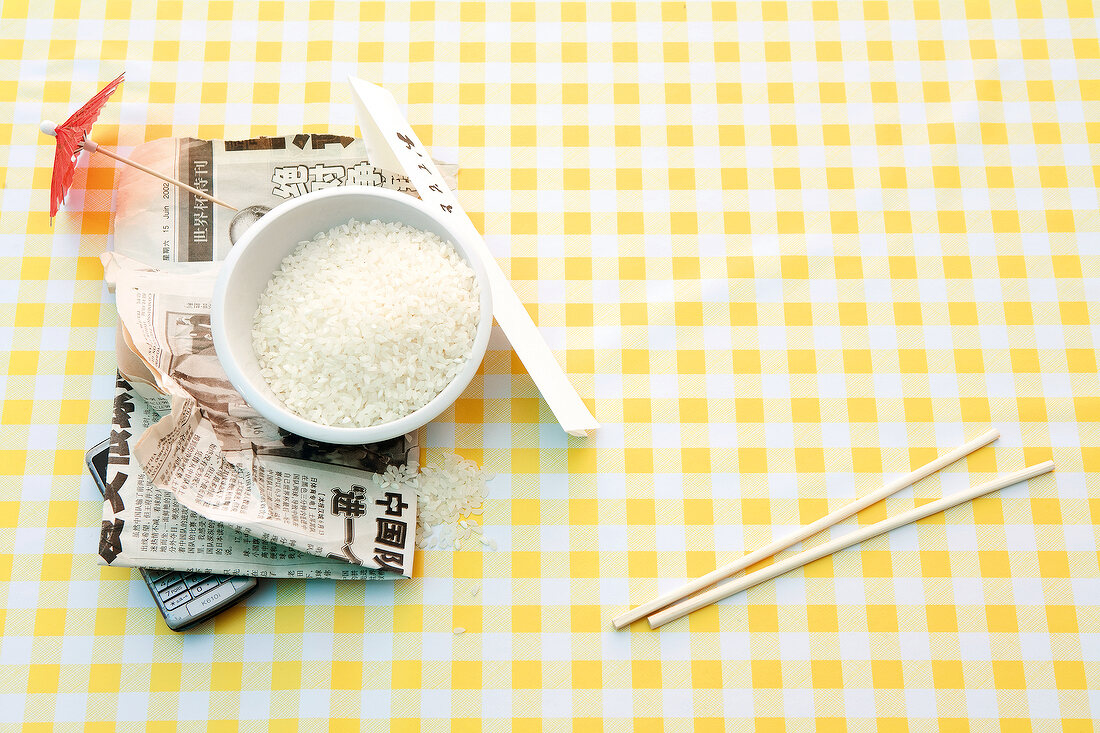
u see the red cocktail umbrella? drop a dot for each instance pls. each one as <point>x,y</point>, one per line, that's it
<point>72,137</point>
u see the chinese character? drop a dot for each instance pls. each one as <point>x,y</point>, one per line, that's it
<point>325,176</point>
<point>361,174</point>
<point>110,540</point>
<point>385,557</point>
<point>123,406</point>
<point>391,532</point>
<point>446,207</point>
<point>349,503</point>
<point>120,449</point>
<point>406,139</point>
<point>290,180</point>
<point>435,187</point>
<point>393,504</point>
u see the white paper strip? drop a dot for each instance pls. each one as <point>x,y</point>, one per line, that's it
<point>391,143</point>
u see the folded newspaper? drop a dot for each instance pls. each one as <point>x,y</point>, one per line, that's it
<point>146,526</point>
<point>271,503</point>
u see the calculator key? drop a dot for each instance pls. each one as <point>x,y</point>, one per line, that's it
<point>173,591</point>
<point>243,583</point>
<point>177,618</point>
<point>164,581</point>
<point>209,600</point>
<point>193,579</point>
<point>200,588</point>
<point>175,602</point>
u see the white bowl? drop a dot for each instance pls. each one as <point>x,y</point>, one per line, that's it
<point>257,255</point>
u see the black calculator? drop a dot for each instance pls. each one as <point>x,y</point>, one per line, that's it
<point>184,599</point>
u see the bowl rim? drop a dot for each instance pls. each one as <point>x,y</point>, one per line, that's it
<point>280,415</point>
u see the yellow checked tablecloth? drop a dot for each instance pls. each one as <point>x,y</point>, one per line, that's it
<point>785,251</point>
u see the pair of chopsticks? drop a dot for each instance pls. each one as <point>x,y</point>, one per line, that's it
<point>677,603</point>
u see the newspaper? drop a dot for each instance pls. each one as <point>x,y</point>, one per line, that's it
<point>214,454</point>
<point>145,526</point>
<point>157,223</point>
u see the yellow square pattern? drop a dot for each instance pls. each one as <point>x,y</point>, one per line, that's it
<point>785,250</point>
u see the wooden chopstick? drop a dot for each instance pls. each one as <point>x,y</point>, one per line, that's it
<point>736,586</point>
<point>802,533</point>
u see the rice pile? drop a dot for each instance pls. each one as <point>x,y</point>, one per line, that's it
<point>446,497</point>
<point>366,324</point>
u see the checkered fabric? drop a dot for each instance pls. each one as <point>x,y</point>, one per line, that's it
<point>784,250</point>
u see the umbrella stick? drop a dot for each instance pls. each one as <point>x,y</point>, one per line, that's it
<point>92,147</point>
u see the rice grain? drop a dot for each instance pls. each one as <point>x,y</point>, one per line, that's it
<point>366,323</point>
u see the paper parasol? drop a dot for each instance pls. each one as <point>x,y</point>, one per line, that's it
<point>72,137</point>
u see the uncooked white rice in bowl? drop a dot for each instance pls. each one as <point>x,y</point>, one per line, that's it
<point>366,323</point>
